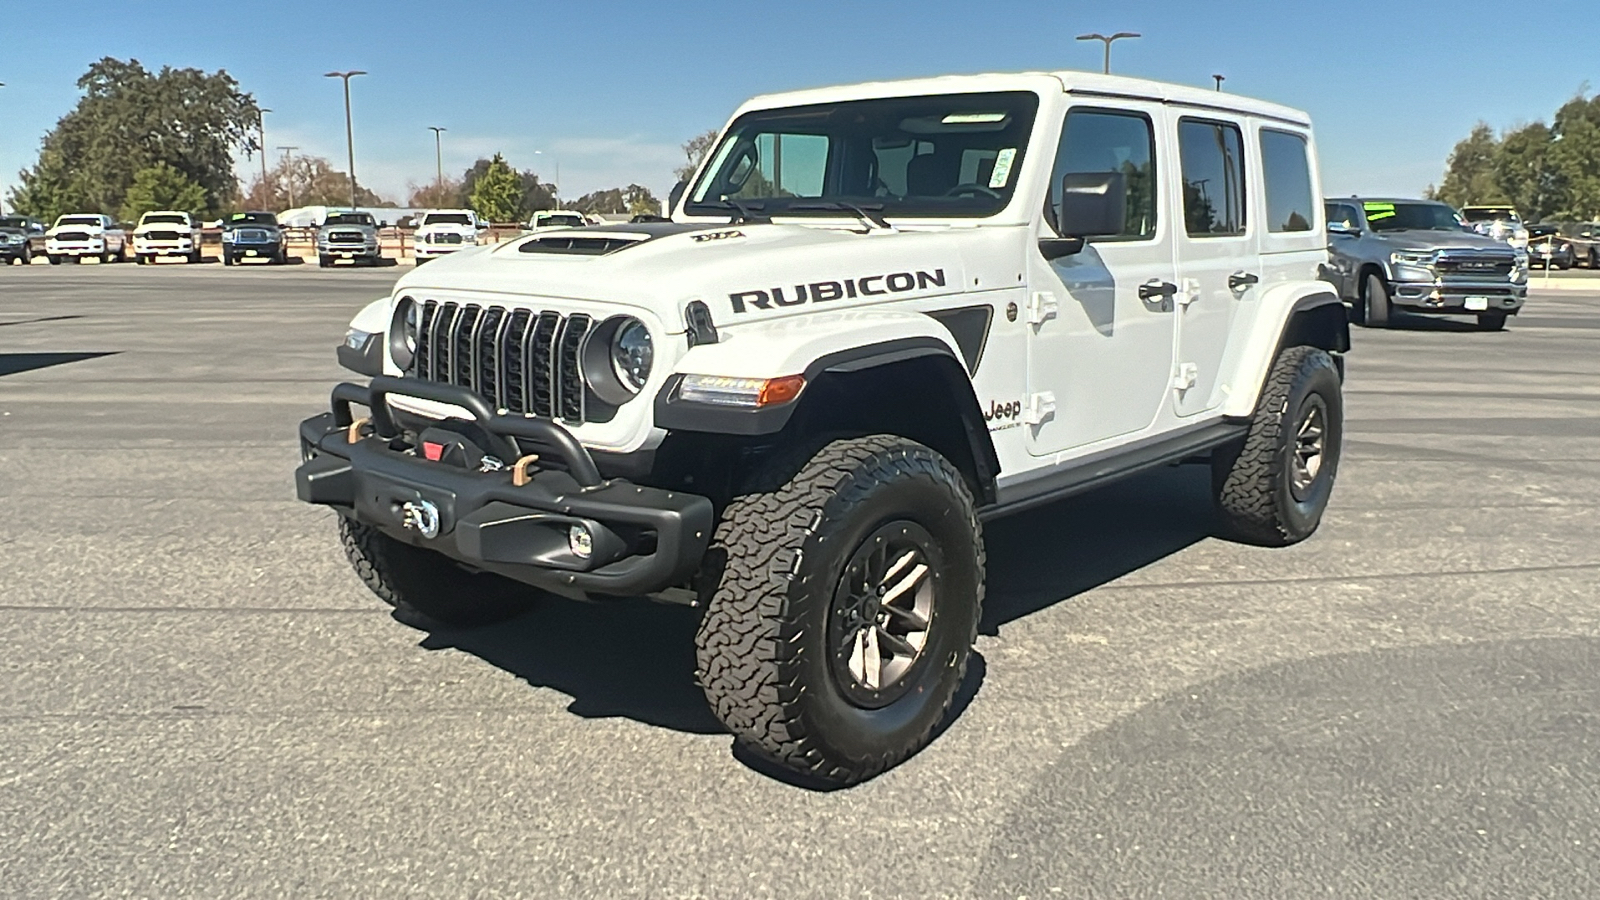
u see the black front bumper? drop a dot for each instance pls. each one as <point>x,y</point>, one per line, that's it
<point>644,539</point>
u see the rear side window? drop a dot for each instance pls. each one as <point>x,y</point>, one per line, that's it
<point>1286,165</point>
<point>1098,141</point>
<point>1213,177</point>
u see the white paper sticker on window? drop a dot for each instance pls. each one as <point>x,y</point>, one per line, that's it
<point>1002,168</point>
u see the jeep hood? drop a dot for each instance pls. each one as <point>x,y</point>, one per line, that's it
<point>1419,239</point>
<point>742,272</point>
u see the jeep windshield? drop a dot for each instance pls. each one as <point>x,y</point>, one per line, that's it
<point>948,156</point>
<point>1384,216</point>
<point>351,219</point>
<point>254,218</point>
<point>447,219</point>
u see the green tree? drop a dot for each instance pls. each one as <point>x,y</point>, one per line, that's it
<point>1574,159</point>
<point>1469,172</point>
<point>695,150</point>
<point>130,119</point>
<point>536,194</point>
<point>497,194</point>
<point>162,187</point>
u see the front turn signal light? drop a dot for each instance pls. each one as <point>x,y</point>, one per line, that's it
<point>750,393</point>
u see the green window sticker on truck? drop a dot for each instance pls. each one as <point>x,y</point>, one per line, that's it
<point>1377,211</point>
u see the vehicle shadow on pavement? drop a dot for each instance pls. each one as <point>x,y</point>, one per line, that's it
<point>1399,321</point>
<point>16,363</point>
<point>1044,556</point>
<point>627,658</point>
<point>1444,770</point>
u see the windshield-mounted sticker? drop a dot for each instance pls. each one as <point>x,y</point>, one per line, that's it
<point>1002,168</point>
<point>1377,211</point>
<point>974,118</point>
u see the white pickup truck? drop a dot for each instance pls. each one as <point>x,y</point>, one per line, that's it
<point>166,233</point>
<point>444,231</point>
<point>80,235</point>
<point>882,315</point>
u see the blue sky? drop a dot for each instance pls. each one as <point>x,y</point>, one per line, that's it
<point>611,88</point>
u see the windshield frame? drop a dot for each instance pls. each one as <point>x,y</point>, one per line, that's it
<point>163,219</point>
<point>447,218</point>
<point>862,130</point>
<point>250,220</point>
<point>361,220</point>
<point>80,222</point>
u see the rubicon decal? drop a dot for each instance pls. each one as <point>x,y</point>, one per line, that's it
<point>848,288</point>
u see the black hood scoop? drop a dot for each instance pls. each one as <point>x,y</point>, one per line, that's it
<point>605,239</point>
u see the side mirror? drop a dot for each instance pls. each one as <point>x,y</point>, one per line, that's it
<point>1341,228</point>
<point>1093,204</point>
<point>676,195</point>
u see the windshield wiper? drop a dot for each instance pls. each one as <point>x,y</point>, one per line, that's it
<point>743,212</point>
<point>870,213</point>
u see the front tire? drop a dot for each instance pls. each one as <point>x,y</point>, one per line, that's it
<point>325,261</point>
<point>845,604</point>
<point>54,260</point>
<point>1375,311</point>
<point>426,589</point>
<point>1493,320</point>
<point>1272,487</point>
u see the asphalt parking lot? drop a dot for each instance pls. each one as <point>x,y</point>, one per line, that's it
<point>199,699</point>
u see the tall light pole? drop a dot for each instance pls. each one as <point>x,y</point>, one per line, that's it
<point>261,124</point>
<point>1220,79</point>
<point>555,191</point>
<point>438,158</point>
<point>288,171</point>
<point>1108,40</point>
<point>349,133</point>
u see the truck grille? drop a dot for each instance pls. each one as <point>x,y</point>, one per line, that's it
<point>518,360</point>
<point>444,238</point>
<point>252,236</point>
<point>161,235</point>
<point>346,237</point>
<point>72,236</point>
<point>1474,265</point>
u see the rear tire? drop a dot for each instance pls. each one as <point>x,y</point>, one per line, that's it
<point>1375,297</point>
<point>1272,487</point>
<point>1491,321</point>
<point>844,604</point>
<point>426,589</point>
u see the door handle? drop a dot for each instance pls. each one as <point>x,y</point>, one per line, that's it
<point>1238,281</point>
<point>1156,289</point>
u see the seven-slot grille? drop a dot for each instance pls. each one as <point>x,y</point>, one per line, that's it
<point>517,359</point>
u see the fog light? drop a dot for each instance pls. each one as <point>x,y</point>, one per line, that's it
<point>580,542</point>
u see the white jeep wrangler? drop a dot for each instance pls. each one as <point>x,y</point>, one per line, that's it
<point>882,314</point>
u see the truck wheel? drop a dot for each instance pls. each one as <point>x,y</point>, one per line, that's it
<point>195,257</point>
<point>142,259</point>
<point>1271,487</point>
<point>1493,320</point>
<point>845,603</point>
<point>55,260</point>
<point>1375,311</point>
<point>227,258</point>
<point>426,589</point>
<point>324,261</point>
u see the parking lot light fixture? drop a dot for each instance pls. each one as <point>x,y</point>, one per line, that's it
<point>438,157</point>
<point>349,132</point>
<point>1108,40</point>
<point>1220,79</point>
<point>261,125</point>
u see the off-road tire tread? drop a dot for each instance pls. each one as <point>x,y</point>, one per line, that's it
<point>1247,495</point>
<point>748,636</point>
<point>412,584</point>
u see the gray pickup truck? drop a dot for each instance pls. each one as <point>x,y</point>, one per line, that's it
<point>348,235</point>
<point>1417,255</point>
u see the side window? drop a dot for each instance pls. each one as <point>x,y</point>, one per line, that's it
<point>1342,214</point>
<point>1287,169</point>
<point>1213,177</point>
<point>1096,141</point>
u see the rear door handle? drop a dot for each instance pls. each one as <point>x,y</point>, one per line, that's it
<point>1238,281</point>
<point>1156,289</point>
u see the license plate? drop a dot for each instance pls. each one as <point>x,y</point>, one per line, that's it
<point>250,253</point>
<point>1477,303</point>
<point>347,256</point>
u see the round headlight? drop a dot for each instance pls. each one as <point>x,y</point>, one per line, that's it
<point>632,354</point>
<point>403,333</point>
